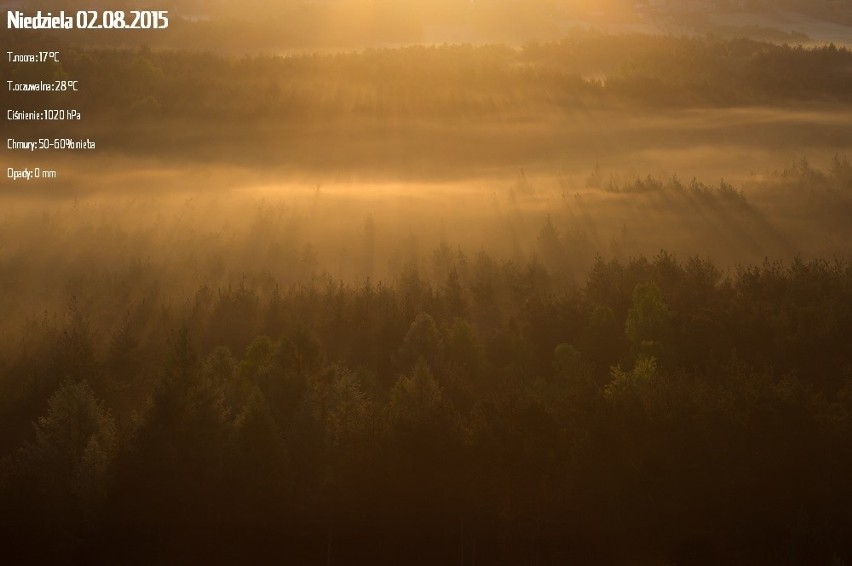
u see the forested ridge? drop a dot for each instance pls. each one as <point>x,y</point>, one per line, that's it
<point>660,409</point>
<point>433,305</point>
<point>444,82</point>
<point>473,109</point>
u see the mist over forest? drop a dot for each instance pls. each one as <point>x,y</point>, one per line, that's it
<point>434,283</point>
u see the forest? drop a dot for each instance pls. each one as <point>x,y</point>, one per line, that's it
<point>455,111</point>
<point>192,393</point>
<point>688,416</point>
<point>580,301</point>
<point>585,68</point>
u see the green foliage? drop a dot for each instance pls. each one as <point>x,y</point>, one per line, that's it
<point>366,422</point>
<point>636,385</point>
<point>423,340</point>
<point>77,432</point>
<point>69,463</point>
<point>649,322</point>
<point>338,407</point>
<point>416,401</point>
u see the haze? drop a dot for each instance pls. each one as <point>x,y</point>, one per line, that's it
<point>348,282</point>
